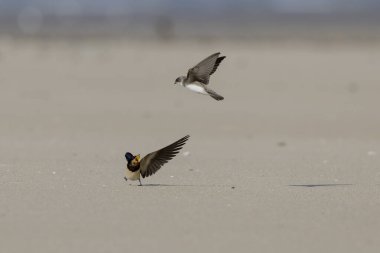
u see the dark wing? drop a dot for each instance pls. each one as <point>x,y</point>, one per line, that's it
<point>154,161</point>
<point>203,70</point>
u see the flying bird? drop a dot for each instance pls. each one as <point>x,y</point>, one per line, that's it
<point>152,162</point>
<point>198,76</point>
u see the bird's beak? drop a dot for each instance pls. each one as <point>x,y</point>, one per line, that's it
<point>138,157</point>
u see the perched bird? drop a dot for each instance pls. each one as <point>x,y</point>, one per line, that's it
<point>198,76</point>
<point>152,162</point>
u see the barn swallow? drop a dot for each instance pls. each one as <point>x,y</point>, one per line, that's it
<point>198,76</point>
<point>152,162</point>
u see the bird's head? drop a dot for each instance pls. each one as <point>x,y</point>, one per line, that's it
<point>129,157</point>
<point>179,80</point>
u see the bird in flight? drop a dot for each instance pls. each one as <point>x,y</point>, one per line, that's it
<point>152,162</point>
<point>198,76</point>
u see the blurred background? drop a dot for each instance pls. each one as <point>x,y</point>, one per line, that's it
<point>181,19</point>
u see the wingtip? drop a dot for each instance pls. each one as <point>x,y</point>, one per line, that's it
<point>218,53</point>
<point>186,137</point>
<point>219,60</point>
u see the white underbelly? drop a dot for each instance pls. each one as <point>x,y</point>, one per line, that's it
<point>132,175</point>
<point>196,88</point>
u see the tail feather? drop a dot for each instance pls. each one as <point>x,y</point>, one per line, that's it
<point>214,95</point>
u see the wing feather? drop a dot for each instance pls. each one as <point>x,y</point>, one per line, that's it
<point>152,162</point>
<point>203,70</point>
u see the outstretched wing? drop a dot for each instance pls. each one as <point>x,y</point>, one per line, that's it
<point>153,162</point>
<point>203,70</point>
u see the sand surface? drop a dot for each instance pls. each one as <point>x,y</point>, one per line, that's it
<point>288,162</point>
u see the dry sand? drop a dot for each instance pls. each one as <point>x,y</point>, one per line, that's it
<point>288,162</point>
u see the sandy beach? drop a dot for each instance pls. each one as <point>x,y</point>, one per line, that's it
<point>288,162</point>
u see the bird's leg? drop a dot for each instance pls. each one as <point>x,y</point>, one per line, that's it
<point>125,178</point>
<point>140,182</point>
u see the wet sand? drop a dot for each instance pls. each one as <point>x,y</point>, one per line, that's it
<point>288,162</point>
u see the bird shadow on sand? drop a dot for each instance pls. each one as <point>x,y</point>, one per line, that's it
<point>183,185</point>
<point>318,185</point>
